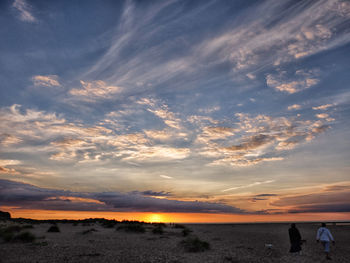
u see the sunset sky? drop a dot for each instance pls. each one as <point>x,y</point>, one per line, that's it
<point>189,111</point>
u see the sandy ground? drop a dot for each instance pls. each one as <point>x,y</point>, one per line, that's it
<point>229,243</point>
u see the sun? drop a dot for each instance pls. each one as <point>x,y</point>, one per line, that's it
<point>154,218</point>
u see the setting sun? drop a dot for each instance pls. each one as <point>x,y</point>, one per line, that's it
<point>154,218</point>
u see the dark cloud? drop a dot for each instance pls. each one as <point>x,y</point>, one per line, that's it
<point>152,193</point>
<point>315,198</point>
<point>12,192</point>
<point>265,195</point>
<point>261,197</point>
<point>334,198</point>
<point>252,142</point>
<point>337,188</point>
<point>319,208</point>
<point>27,196</point>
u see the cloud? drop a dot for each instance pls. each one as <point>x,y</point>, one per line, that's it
<point>8,139</point>
<point>72,142</point>
<point>155,153</point>
<point>330,198</point>
<point>265,195</point>
<point>6,166</point>
<point>94,90</point>
<point>209,109</point>
<point>25,196</point>
<point>165,176</point>
<point>294,107</point>
<point>265,36</point>
<point>248,185</point>
<point>322,208</point>
<point>24,10</point>
<point>323,107</point>
<point>46,81</point>
<point>247,141</point>
<point>262,197</point>
<point>257,139</point>
<point>161,135</point>
<point>162,111</point>
<point>152,193</point>
<point>280,82</point>
<point>322,115</point>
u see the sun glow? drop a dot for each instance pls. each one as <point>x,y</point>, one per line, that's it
<point>154,218</point>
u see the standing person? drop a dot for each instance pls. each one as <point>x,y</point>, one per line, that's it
<point>325,236</point>
<point>295,239</point>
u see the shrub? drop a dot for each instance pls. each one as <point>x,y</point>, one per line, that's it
<point>136,228</point>
<point>195,245</point>
<point>109,224</point>
<point>54,229</point>
<point>186,231</point>
<point>179,226</point>
<point>158,230</point>
<point>89,231</point>
<point>12,229</point>
<point>7,237</point>
<point>24,237</point>
<point>8,233</point>
<point>27,226</point>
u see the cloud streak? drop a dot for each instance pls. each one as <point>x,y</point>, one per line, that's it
<point>25,11</point>
<point>26,196</point>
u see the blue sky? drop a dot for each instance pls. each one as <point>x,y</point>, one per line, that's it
<point>243,105</point>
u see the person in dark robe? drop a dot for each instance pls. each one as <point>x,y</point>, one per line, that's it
<point>295,239</point>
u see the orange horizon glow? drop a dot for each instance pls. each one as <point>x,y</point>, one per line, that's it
<point>175,217</point>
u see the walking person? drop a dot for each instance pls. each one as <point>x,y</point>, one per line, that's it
<point>295,239</point>
<point>325,236</point>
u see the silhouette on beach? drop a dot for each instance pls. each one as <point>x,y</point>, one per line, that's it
<point>295,239</point>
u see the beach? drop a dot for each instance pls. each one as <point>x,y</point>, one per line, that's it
<point>227,243</point>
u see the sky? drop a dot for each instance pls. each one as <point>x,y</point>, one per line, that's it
<point>176,110</point>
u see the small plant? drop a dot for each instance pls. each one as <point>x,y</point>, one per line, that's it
<point>27,227</point>
<point>109,224</point>
<point>136,228</point>
<point>194,244</point>
<point>186,231</point>
<point>54,229</point>
<point>12,229</point>
<point>158,230</point>
<point>7,237</point>
<point>25,237</point>
<point>43,243</point>
<point>8,233</point>
<point>179,226</point>
<point>89,231</point>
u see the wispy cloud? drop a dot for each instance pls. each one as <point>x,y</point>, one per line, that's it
<point>251,140</point>
<point>248,185</point>
<point>165,176</point>
<point>261,138</point>
<point>46,81</point>
<point>301,80</point>
<point>25,11</point>
<point>95,90</point>
<point>6,166</point>
<point>323,107</point>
